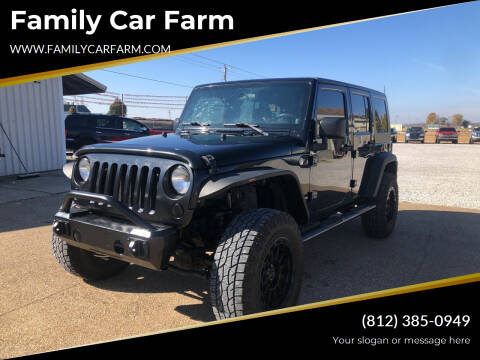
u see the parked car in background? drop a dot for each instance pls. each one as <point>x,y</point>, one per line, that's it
<point>475,135</point>
<point>445,133</point>
<point>393,135</point>
<point>86,129</point>
<point>415,133</point>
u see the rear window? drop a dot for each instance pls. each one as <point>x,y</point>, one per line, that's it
<point>448,129</point>
<point>108,123</point>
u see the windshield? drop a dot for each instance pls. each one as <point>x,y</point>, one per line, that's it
<point>448,129</point>
<point>266,104</point>
<point>416,129</point>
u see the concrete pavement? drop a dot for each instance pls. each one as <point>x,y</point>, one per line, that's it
<point>43,308</point>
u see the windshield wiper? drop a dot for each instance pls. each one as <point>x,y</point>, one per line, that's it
<point>247,125</point>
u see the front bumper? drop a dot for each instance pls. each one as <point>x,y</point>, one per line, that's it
<point>415,137</point>
<point>447,137</point>
<point>475,138</point>
<point>124,236</point>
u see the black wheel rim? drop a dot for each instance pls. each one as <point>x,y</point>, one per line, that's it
<point>276,275</point>
<point>391,204</point>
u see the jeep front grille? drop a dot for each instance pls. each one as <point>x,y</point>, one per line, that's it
<point>134,186</point>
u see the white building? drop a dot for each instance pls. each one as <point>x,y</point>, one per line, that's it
<point>32,126</point>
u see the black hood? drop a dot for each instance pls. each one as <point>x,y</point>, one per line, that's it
<point>230,150</point>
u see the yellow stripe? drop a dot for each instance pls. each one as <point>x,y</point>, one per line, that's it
<point>349,299</point>
<point>101,65</point>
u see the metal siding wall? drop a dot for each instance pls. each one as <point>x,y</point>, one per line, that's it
<point>32,115</point>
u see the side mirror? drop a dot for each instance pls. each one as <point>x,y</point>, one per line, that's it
<point>331,127</point>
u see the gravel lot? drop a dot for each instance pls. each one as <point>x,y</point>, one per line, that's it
<point>439,174</point>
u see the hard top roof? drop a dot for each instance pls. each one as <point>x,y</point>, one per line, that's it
<point>319,80</point>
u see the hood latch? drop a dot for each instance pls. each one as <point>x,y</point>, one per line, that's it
<point>211,163</point>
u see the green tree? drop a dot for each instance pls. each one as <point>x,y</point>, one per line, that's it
<point>457,119</point>
<point>443,120</point>
<point>117,108</point>
<point>465,123</point>
<point>432,118</point>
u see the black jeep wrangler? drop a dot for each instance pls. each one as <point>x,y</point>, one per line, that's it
<point>254,169</point>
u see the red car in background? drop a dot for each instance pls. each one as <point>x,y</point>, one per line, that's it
<point>445,133</point>
<point>159,132</point>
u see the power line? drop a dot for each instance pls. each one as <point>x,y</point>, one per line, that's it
<point>222,63</point>
<point>203,65</point>
<point>145,78</point>
<point>192,62</point>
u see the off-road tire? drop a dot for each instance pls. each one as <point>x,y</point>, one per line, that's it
<point>241,276</point>
<point>380,222</point>
<point>84,263</point>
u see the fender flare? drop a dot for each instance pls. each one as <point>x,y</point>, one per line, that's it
<point>373,173</point>
<point>220,183</point>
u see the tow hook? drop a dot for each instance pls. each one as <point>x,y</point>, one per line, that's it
<point>61,228</point>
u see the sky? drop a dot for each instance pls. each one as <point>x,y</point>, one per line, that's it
<point>427,61</point>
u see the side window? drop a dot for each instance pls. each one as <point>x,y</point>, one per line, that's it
<point>74,121</point>
<point>131,125</point>
<point>330,104</point>
<point>107,123</point>
<point>361,120</point>
<point>380,115</point>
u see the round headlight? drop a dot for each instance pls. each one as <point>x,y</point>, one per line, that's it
<point>84,168</point>
<point>180,179</point>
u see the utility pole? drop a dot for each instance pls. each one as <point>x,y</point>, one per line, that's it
<point>121,106</point>
<point>225,68</point>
